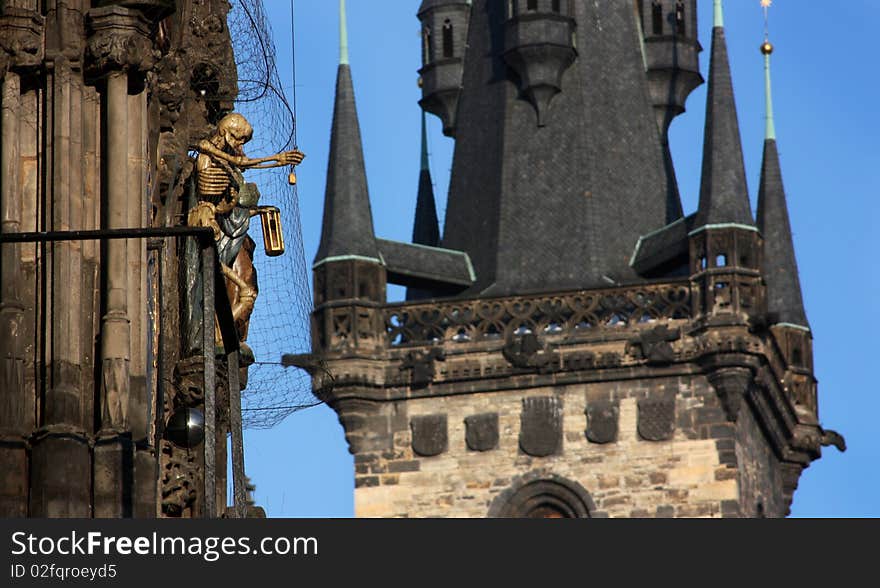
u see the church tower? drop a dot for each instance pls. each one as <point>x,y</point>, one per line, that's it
<point>574,345</point>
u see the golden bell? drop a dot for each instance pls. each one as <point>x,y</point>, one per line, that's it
<point>291,179</point>
<point>273,236</point>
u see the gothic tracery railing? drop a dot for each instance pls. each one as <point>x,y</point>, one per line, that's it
<point>568,313</point>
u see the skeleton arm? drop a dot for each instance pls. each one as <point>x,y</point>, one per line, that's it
<point>278,160</point>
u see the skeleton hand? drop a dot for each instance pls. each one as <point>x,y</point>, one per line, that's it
<point>204,214</point>
<point>294,157</point>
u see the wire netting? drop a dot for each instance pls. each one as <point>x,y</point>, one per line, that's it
<point>280,322</point>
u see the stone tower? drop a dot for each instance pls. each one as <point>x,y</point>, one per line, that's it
<point>574,346</point>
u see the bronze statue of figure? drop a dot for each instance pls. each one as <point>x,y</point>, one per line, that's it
<point>226,204</point>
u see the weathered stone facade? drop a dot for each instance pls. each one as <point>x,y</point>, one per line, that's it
<point>101,101</point>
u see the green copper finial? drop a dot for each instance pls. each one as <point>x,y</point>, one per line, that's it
<point>767,50</point>
<point>719,14</point>
<point>343,35</point>
<point>424,143</point>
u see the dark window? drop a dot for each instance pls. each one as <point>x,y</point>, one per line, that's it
<point>797,357</point>
<point>657,17</point>
<point>555,6</point>
<point>680,28</point>
<point>448,49</point>
<point>532,5</point>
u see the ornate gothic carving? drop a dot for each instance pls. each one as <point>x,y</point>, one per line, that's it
<point>656,418</point>
<point>654,346</point>
<point>21,39</point>
<point>541,426</point>
<point>429,436</point>
<point>422,365</point>
<point>179,480</point>
<point>528,352</point>
<point>602,419</point>
<point>731,384</point>
<point>120,40</point>
<point>566,314</point>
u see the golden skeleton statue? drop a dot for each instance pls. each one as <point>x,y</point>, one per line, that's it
<point>226,204</point>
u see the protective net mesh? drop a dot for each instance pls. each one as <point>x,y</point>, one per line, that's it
<point>280,322</point>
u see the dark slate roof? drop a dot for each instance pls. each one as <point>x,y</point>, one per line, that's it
<point>724,194</point>
<point>559,206</point>
<point>784,300</point>
<point>348,221</point>
<point>664,246</point>
<point>426,228</point>
<point>420,266</point>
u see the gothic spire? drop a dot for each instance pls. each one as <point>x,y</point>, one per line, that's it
<point>426,229</point>
<point>784,300</point>
<point>724,196</point>
<point>347,230</point>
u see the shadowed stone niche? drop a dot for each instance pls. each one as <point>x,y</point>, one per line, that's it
<point>429,436</point>
<point>481,432</point>
<point>602,417</point>
<point>656,419</point>
<point>543,496</point>
<point>541,426</point>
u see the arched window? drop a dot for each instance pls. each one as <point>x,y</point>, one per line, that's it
<point>721,261</point>
<point>448,49</point>
<point>539,496</point>
<point>680,27</point>
<point>657,17</point>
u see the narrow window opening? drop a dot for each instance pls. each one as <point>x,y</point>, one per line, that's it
<point>680,28</point>
<point>448,49</point>
<point>555,6</point>
<point>657,17</point>
<point>704,263</point>
<point>721,261</point>
<point>426,45</point>
<point>532,5</point>
<point>797,357</point>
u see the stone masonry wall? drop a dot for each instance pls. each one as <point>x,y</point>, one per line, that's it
<point>693,474</point>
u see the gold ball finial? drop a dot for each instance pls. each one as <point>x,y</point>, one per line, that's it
<point>767,48</point>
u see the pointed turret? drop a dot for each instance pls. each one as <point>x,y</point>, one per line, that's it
<point>347,231</point>
<point>784,300</point>
<point>724,195</point>
<point>349,275</point>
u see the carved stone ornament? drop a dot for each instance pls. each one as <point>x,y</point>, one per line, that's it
<point>541,426</point>
<point>422,364</point>
<point>481,432</point>
<point>731,384</point>
<point>527,352</point>
<point>602,419</point>
<point>429,436</point>
<point>656,419</point>
<point>120,40</point>
<point>21,39</point>
<point>654,346</point>
<point>179,480</point>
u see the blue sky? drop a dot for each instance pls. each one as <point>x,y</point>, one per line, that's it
<point>827,125</point>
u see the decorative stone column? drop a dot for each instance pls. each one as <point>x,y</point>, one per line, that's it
<point>21,48</point>
<point>121,51</point>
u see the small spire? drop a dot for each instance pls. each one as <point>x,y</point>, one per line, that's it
<point>724,194</point>
<point>424,143</point>
<point>719,14</point>
<point>343,34</point>
<point>784,298</point>
<point>347,230</point>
